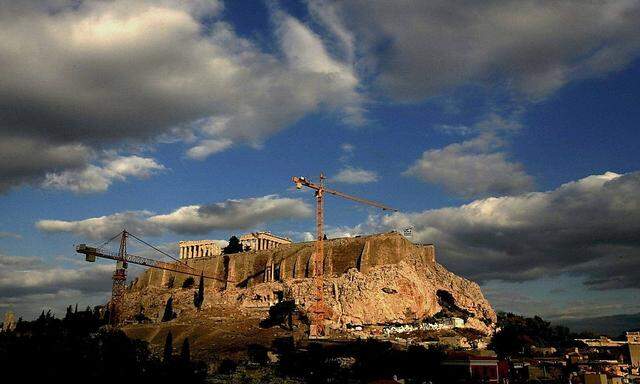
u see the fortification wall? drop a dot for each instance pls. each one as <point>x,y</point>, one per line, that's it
<point>292,261</point>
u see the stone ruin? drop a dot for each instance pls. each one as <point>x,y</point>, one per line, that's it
<point>379,279</point>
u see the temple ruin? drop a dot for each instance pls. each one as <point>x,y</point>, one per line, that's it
<point>191,249</point>
<point>260,241</point>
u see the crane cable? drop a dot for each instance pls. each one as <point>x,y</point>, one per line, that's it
<point>159,250</point>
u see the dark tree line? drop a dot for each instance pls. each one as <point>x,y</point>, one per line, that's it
<point>518,334</point>
<point>80,348</point>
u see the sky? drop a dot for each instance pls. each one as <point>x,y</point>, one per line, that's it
<point>504,132</point>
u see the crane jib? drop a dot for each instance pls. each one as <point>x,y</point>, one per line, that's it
<point>91,253</point>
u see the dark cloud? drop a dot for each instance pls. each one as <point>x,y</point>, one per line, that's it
<point>421,48</point>
<point>95,75</point>
<point>589,227</point>
<point>29,284</point>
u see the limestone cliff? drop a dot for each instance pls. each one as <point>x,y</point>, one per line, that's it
<point>370,280</point>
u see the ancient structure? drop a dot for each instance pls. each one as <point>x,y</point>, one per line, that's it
<point>259,241</point>
<point>192,249</point>
<point>369,280</point>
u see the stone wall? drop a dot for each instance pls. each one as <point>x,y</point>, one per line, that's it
<point>291,261</point>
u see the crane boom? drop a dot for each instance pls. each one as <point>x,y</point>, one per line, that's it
<point>360,200</point>
<point>91,253</point>
<point>301,181</point>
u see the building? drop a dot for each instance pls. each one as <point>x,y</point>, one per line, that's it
<point>633,340</point>
<point>477,367</point>
<point>259,241</point>
<point>192,249</point>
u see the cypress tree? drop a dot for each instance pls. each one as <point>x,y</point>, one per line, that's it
<point>198,298</point>
<point>185,352</point>
<point>69,313</point>
<point>168,310</point>
<point>168,348</point>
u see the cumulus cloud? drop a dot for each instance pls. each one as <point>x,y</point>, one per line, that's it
<point>472,168</point>
<point>26,275</point>
<point>232,214</point>
<point>192,219</point>
<point>104,227</point>
<point>351,175</point>
<point>94,178</point>
<point>588,227</point>
<point>24,160</point>
<point>477,167</point>
<point>96,74</point>
<point>420,48</point>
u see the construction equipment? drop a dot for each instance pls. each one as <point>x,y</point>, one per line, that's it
<point>319,310</point>
<point>123,258</point>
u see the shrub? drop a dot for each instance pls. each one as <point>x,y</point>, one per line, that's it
<point>188,282</point>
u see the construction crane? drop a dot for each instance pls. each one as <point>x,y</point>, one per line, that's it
<point>318,309</point>
<point>123,258</point>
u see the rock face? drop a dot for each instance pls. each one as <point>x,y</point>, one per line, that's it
<point>372,280</point>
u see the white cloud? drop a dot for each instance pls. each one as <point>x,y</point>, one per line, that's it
<point>104,227</point>
<point>192,219</point>
<point>476,167</point>
<point>587,227</point>
<point>232,214</point>
<point>472,168</point>
<point>94,178</point>
<point>350,175</point>
<point>207,148</point>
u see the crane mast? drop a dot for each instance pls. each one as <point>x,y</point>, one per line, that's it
<point>318,309</point>
<point>122,259</point>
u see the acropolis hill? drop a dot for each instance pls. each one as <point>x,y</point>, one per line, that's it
<point>370,280</point>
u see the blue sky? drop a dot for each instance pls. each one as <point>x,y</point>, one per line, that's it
<point>186,120</point>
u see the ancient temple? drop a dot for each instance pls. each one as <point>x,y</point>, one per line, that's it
<point>192,249</point>
<point>259,241</point>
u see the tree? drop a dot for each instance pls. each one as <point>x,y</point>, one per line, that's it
<point>198,297</point>
<point>168,311</point>
<point>188,282</point>
<point>234,246</point>
<point>168,348</point>
<point>69,313</point>
<point>185,352</point>
<point>171,282</point>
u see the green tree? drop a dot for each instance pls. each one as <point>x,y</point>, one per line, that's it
<point>198,297</point>
<point>234,246</point>
<point>168,348</point>
<point>168,310</point>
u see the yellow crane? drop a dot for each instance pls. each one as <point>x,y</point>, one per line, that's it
<point>123,258</point>
<point>318,309</point>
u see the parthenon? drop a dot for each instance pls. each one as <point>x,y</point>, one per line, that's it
<point>259,241</point>
<point>198,248</point>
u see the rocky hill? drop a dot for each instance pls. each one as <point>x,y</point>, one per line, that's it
<point>372,281</point>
